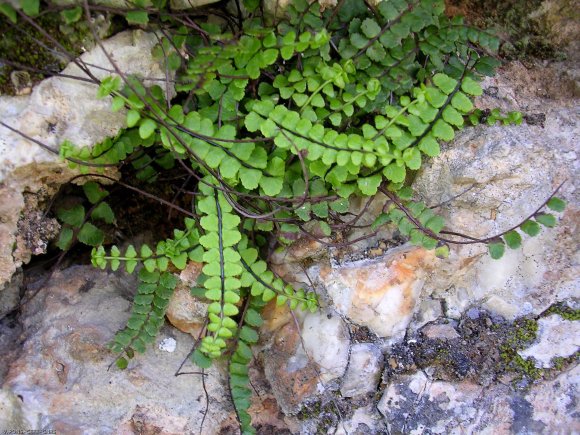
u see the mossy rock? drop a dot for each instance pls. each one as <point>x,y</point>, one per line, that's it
<point>530,28</point>
<point>23,48</point>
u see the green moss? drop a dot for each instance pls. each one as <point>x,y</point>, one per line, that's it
<point>563,311</point>
<point>560,364</point>
<point>309,411</point>
<point>326,415</point>
<point>521,335</point>
<point>526,330</point>
<point>526,367</point>
<point>525,37</point>
<point>23,44</point>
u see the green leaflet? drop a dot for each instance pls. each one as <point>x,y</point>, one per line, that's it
<point>223,264</point>
<point>556,204</point>
<point>513,239</point>
<point>496,249</point>
<point>444,83</point>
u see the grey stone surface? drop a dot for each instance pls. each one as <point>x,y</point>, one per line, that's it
<point>557,338</point>
<point>510,172</point>
<point>62,373</point>
<point>10,297</point>
<point>363,371</point>
<point>11,413</point>
<point>62,108</point>
<point>381,294</point>
<point>415,403</point>
<point>325,340</point>
<point>454,377</point>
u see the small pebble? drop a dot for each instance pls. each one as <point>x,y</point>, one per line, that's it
<point>375,252</point>
<point>168,345</point>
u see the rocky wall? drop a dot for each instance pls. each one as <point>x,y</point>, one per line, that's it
<point>58,109</point>
<point>404,342</point>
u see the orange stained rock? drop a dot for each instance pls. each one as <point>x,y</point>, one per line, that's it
<point>275,317</point>
<point>374,281</point>
<point>191,272</point>
<point>382,293</point>
<point>293,383</point>
<point>185,312</point>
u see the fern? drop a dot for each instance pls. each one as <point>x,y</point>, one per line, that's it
<point>76,219</point>
<point>147,315</point>
<point>238,378</point>
<point>176,251</point>
<point>280,126</point>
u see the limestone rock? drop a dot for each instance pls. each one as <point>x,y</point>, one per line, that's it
<point>380,294</point>
<point>510,171</point>
<point>62,108</point>
<point>10,297</point>
<point>364,420</point>
<point>415,404</point>
<point>556,338</point>
<point>441,331</point>
<point>292,375</point>
<point>326,342</point>
<point>304,352</point>
<point>364,370</point>
<point>58,109</point>
<point>185,312</point>
<point>11,413</point>
<point>62,372</point>
<point>301,249</point>
<point>10,207</point>
<point>554,404</point>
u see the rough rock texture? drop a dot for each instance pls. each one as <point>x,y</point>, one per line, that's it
<point>11,414</point>
<point>58,109</point>
<point>558,338</point>
<point>62,376</point>
<point>381,295</point>
<point>292,381</point>
<point>401,344</point>
<point>364,370</point>
<point>554,403</point>
<point>62,109</point>
<point>462,378</point>
<point>418,403</point>
<point>510,171</point>
<point>302,353</point>
<point>325,341</point>
<point>460,367</point>
<point>10,297</point>
<point>185,312</point>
